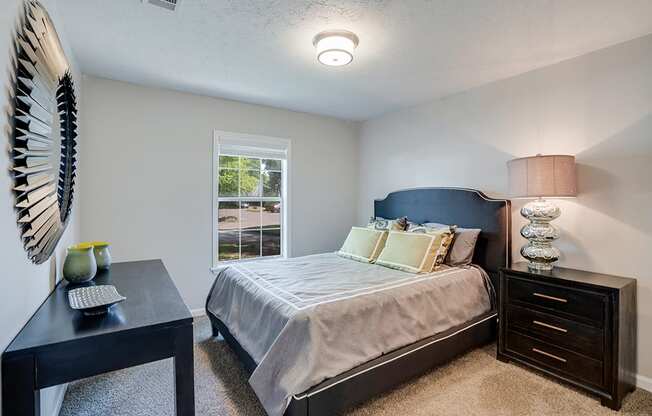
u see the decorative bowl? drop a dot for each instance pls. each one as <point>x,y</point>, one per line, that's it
<point>94,300</point>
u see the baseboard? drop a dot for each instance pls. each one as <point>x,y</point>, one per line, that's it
<point>643,382</point>
<point>198,312</point>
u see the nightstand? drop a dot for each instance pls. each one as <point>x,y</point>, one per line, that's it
<point>574,325</point>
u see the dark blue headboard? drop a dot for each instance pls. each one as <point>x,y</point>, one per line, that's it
<point>467,208</point>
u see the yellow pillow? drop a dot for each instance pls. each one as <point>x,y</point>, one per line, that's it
<point>363,244</point>
<point>414,252</point>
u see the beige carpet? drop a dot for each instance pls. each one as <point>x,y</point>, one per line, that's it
<point>475,384</point>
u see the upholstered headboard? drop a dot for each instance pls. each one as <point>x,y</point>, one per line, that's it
<point>468,208</point>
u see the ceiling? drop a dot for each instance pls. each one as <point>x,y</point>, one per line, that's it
<point>410,51</point>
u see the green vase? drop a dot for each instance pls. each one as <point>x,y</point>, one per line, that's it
<point>80,265</point>
<point>102,255</point>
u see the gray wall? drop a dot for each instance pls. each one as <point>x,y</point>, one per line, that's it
<point>597,107</point>
<point>147,175</point>
<point>23,285</point>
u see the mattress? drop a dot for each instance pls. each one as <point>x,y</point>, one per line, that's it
<point>308,319</point>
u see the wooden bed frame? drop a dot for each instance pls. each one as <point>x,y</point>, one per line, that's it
<point>466,208</point>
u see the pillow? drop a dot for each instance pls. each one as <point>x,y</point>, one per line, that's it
<point>445,243</point>
<point>461,253</point>
<point>414,252</point>
<point>429,227</point>
<point>411,225</point>
<point>379,223</point>
<point>363,244</point>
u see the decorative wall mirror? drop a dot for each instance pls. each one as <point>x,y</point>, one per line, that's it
<point>44,133</point>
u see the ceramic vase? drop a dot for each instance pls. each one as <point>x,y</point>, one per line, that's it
<point>80,265</point>
<point>102,255</point>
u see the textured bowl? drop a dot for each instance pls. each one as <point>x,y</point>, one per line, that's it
<point>94,300</point>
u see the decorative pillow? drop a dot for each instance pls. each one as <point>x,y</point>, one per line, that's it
<point>430,227</point>
<point>445,243</point>
<point>378,223</point>
<point>414,252</point>
<point>363,244</point>
<point>412,225</point>
<point>461,253</point>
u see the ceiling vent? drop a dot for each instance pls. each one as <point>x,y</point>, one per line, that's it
<point>171,5</point>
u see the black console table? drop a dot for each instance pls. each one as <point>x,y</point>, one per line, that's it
<point>59,344</point>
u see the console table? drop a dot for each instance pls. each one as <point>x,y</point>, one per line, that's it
<point>59,345</point>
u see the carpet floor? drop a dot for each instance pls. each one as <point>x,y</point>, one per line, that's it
<point>475,384</point>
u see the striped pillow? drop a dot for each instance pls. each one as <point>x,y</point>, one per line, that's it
<point>363,244</point>
<point>414,252</point>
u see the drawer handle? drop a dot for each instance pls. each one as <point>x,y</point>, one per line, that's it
<point>545,325</point>
<point>541,295</point>
<point>547,354</point>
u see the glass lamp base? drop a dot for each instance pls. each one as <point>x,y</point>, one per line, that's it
<point>539,251</point>
<point>539,266</point>
<point>540,255</point>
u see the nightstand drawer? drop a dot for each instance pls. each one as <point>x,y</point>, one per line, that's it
<point>554,298</point>
<point>555,359</point>
<point>565,333</point>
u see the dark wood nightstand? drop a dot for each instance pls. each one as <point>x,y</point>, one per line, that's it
<point>576,326</point>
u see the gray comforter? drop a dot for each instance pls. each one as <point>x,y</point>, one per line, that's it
<point>307,319</point>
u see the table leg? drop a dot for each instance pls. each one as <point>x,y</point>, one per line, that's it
<point>184,372</point>
<point>20,397</point>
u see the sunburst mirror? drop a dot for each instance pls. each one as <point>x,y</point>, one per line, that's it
<point>44,133</point>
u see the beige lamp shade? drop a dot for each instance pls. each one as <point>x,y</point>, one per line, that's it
<point>542,176</point>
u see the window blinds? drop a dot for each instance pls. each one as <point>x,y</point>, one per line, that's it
<point>264,148</point>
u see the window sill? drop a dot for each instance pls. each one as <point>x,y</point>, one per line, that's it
<point>219,266</point>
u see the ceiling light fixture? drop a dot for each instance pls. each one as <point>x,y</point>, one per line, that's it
<point>335,47</point>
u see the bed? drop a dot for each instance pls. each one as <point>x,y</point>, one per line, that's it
<point>321,333</point>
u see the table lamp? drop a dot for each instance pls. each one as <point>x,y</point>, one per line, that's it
<point>551,176</point>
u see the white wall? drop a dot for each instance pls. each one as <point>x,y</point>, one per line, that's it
<point>23,285</point>
<point>597,107</point>
<point>147,175</point>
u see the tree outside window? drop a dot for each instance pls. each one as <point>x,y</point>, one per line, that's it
<point>249,207</point>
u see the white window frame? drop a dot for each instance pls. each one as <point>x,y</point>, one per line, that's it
<point>250,141</point>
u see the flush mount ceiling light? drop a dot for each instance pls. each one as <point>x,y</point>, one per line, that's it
<point>335,47</point>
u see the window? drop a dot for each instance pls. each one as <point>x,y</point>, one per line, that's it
<point>249,197</point>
